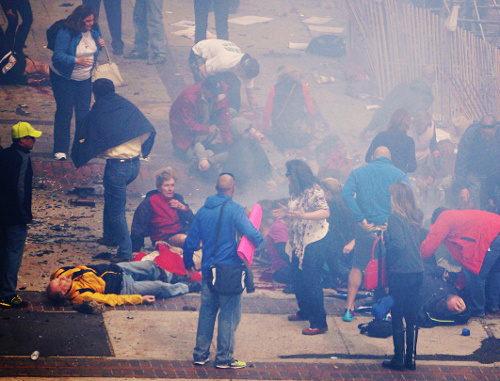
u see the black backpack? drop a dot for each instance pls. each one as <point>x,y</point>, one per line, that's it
<point>380,328</point>
<point>52,33</point>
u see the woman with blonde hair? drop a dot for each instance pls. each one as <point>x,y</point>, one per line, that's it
<point>163,215</point>
<point>405,271</point>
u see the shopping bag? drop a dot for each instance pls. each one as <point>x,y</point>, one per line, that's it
<point>371,281</point>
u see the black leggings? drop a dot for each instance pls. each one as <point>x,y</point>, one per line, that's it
<point>404,288</point>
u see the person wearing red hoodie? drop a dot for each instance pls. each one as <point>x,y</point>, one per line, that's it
<point>199,121</point>
<point>472,237</point>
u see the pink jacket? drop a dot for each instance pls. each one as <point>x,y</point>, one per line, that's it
<point>467,234</point>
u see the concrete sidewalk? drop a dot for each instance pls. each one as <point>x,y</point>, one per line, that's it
<point>156,341</point>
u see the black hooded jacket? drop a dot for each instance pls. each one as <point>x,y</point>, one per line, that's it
<point>113,120</point>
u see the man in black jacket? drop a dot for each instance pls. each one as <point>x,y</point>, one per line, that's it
<point>117,131</point>
<point>16,177</point>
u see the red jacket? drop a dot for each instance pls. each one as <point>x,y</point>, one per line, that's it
<point>467,234</point>
<point>186,117</point>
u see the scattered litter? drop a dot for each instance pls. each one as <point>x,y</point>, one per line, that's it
<point>66,5</point>
<point>184,24</point>
<point>334,357</point>
<point>372,107</point>
<point>81,202</point>
<point>249,20</point>
<point>189,308</point>
<point>298,45</point>
<point>326,29</point>
<point>317,20</point>
<point>174,336</point>
<point>23,105</point>
<point>189,33</point>
<point>34,356</point>
<point>465,332</point>
<point>20,111</point>
<point>325,79</point>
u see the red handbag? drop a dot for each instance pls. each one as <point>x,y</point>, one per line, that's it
<point>371,280</point>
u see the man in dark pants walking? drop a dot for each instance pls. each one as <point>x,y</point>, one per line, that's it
<point>16,177</point>
<point>117,131</point>
<point>221,12</point>
<point>114,15</point>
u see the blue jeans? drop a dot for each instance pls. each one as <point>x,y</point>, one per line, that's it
<point>149,29</point>
<point>229,309</point>
<point>68,94</point>
<point>143,278</point>
<point>483,290</point>
<point>12,240</point>
<point>18,39</point>
<point>117,175</point>
<point>221,12</point>
<point>114,15</point>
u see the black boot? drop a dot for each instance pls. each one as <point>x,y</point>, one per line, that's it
<point>411,347</point>
<point>397,362</point>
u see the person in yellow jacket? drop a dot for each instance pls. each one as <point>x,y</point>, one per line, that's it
<point>115,284</point>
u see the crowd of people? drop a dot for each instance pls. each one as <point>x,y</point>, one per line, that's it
<point>337,215</point>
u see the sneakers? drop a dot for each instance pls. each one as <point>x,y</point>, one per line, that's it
<point>202,362</point>
<point>136,55</point>
<point>349,315</point>
<point>157,59</point>
<point>234,365</point>
<point>106,242</point>
<point>15,302</point>
<point>59,156</point>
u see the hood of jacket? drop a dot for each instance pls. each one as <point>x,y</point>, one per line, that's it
<point>213,202</point>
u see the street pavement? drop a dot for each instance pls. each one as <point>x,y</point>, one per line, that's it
<point>156,341</point>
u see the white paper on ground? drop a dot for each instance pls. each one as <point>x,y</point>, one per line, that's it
<point>442,134</point>
<point>326,29</point>
<point>249,20</point>
<point>298,45</point>
<point>189,33</point>
<point>317,20</point>
<point>184,24</point>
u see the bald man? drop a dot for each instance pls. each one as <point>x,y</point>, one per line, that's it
<point>366,194</point>
<point>478,157</point>
<point>215,226</point>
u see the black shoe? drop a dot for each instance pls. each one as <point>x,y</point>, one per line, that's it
<point>157,59</point>
<point>118,52</point>
<point>394,365</point>
<point>107,242</point>
<point>116,259</point>
<point>15,302</point>
<point>194,286</point>
<point>135,55</point>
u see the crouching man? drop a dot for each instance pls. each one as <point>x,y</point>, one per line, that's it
<point>115,284</point>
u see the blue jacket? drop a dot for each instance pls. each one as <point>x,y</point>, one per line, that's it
<point>204,228</point>
<point>64,55</point>
<point>370,184</point>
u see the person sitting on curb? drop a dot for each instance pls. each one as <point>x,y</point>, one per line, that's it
<point>116,284</point>
<point>163,215</point>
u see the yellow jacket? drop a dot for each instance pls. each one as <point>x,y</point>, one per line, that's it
<point>88,284</point>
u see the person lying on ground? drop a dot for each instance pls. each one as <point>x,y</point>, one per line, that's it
<point>18,69</point>
<point>163,215</point>
<point>116,284</point>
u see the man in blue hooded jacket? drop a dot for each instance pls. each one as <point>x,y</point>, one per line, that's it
<point>233,219</point>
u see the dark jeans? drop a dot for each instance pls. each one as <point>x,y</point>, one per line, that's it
<point>22,7</point>
<point>404,288</point>
<point>69,95</point>
<point>114,15</point>
<point>228,307</point>
<point>307,283</point>
<point>221,12</point>
<point>12,240</point>
<point>483,290</point>
<point>117,175</point>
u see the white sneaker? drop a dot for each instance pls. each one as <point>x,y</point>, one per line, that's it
<point>60,156</point>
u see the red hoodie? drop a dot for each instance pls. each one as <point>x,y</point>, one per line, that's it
<point>467,234</point>
<point>187,115</point>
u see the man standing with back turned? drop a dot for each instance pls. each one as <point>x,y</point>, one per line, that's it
<point>16,177</point>
<point>215,225</point>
